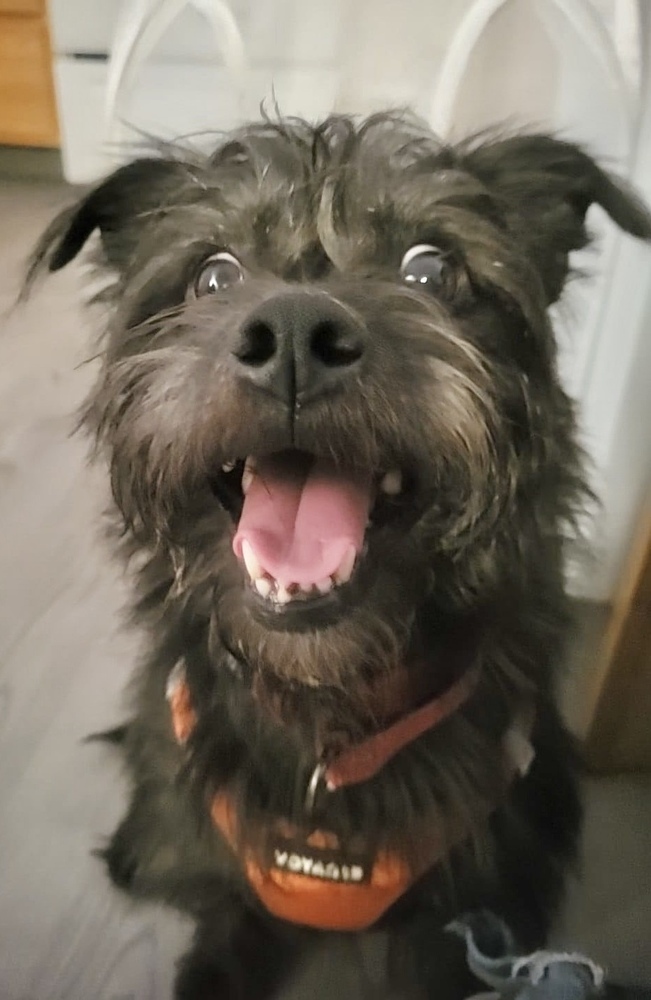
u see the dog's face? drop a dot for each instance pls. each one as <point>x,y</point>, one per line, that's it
<point>329,396</point>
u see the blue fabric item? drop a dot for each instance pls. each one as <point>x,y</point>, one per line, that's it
<point>543,975</point>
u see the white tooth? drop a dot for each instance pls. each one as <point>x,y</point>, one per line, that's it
<point>263,586</point>
<point>253,567</point>
<point>392,483</point>
<point>248,474</point>
<point>324,586</point>
<point>306,588</point>
<point>345,570</point>
<point>228,466</point>
<point>282,595</point>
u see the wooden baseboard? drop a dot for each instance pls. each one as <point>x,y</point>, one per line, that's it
<point>618,736</point>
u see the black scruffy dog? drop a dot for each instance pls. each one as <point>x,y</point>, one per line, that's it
<point>344,463</point>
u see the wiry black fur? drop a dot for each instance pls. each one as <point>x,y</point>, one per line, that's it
<point>461,391</point>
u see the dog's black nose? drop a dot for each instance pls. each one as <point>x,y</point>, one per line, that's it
<point>300,345</point>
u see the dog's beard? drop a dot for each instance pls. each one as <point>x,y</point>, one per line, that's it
<point>367,637</point>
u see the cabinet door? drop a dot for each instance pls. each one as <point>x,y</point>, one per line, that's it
<point>27,110</point>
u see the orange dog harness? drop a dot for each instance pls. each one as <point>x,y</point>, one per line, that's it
<point>310,878</point>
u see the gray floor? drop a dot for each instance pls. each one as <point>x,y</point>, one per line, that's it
<point>64,935</point>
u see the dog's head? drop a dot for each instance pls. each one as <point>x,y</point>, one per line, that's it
<point>329,395</point>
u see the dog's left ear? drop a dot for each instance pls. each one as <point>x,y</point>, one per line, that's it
<point>116,207</point>
<point>545,187</point>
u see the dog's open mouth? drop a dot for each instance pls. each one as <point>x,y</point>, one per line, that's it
<point>302,522</point>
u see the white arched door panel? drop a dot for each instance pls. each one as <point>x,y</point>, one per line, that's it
<point>282,53</point>
<point>575,67</point>
<point>141,26</point>
<point>555,66</point>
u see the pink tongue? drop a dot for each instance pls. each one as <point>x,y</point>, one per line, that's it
<point>302,516</point>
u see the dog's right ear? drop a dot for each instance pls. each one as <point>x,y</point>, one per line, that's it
<point>115,207</point>
<point>547,186</point>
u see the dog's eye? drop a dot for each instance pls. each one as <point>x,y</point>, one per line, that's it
<point>425,267</point>
<point>218,273</point>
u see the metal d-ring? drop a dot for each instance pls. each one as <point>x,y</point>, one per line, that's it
<point>313,787</point>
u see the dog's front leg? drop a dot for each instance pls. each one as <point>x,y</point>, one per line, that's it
<point>237,955</point>
<point>161,851</point>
